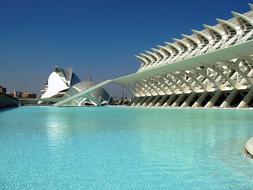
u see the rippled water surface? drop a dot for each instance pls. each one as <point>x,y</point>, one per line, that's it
<point>124,148</point>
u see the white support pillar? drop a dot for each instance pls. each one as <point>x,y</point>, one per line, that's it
<point>188,100</point>
<point>178,100</point>
<point>170,100</point>
<point>200,100</point>
<point>161,101</point>
<point>154,101</point>
<point>142,100</point>
<point>229,99</point>
<point>138,99</point>
<point>148,101</point>
<point>246,99</point>
<point>213,100</point>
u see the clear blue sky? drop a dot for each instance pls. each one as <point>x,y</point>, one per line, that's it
<point>93,36</point>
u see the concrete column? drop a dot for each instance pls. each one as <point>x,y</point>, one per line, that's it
<point>170,100</point>
<point>178,100</point>
<point>162,100</point>
<point>148,101</point>
<point>246,99</point>
<point>229,99</point>
<point>155,100</point>
<point>200,100</point>
<point>213,100</point>
<point>142,100</point>
<point>188,100</point>
<point>135,101</point>
<point>139,99</point>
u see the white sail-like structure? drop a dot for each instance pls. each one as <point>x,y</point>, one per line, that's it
<point>59,81</point>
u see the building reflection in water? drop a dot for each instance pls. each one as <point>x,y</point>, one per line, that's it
<point>56,130</point>
<point>174,141</point>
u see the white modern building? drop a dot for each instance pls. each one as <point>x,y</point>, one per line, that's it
<point>212,67</point>
<point>98,97</point>
<point>59,81</point>
<point>62,84</point>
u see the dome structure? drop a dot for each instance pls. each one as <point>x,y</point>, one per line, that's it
<point>97,97</point>
<point>59,81</point>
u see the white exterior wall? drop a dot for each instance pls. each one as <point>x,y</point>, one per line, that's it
<point>55,85</point>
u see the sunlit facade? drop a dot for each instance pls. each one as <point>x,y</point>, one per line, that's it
<point>209,68</point>
<point>212,67</point>
<point>59,81</point>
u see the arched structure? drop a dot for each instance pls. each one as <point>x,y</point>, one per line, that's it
<point>98,97</point>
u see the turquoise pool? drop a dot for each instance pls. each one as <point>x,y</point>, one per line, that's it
<point>124,148</point>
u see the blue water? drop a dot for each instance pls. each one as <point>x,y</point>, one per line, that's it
<point>124,148</point>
